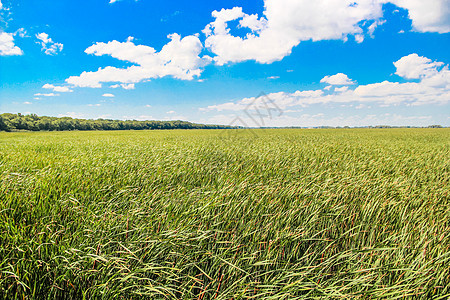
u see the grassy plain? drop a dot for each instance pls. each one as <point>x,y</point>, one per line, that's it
<point>280,214</point>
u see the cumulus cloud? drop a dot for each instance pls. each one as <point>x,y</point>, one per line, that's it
<point>270,37</point>
<point>338,79</point>
<point>285,24</point>
<point>414,66</point>
<point>60,89</point>
<point>427,16</point>
<point>108,95</point>
<point>179,58</point>
<point>7,46</point>
<point>433,88</point>
<point>48,45</point>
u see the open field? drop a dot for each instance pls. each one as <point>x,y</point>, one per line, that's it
<point>285,214</point>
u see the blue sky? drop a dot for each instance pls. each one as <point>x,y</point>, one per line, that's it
<point>324,62</point>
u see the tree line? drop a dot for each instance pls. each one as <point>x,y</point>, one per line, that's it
<point>32,122</point>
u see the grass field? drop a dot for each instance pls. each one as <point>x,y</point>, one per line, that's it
<point>280,214</point>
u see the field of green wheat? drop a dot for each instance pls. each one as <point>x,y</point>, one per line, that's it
<point>225,214</point>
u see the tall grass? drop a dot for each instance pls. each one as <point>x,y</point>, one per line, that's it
<point>286,214</point>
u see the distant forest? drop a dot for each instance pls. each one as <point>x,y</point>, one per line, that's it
<point>32,122</point>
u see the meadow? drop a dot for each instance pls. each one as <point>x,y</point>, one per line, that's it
<point>225,214</point>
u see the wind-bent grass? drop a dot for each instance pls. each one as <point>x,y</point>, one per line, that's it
<point>289,214</point>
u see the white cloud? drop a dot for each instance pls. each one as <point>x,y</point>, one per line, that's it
<point>281,99</point>
<point>21,32</point>
<point>108,95</point>
<point>60,89</point>
<point>284,25</point>
<point>341,89</point>
<point>433,88</point>
<point>124,86</point>
<point>338,79</point>
<point>47,95</point>
<point>7,46</point>
<point>427,16</point>
<point>27,103</point>
<point>148,105</point>
<point>273,77</point>
<point>308,94</point>
<point>179,58</point>
<point>253,23</point>
<point>94,105</point>
<point>374,26</point>
<point>414,66</point>
<point>221,19</point>
<point>171,112</point>
<point>359,38</point>
<point>1,5</point>
<point>48,45</point>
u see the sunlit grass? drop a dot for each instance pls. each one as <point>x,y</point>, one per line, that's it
<point>285,214</point>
